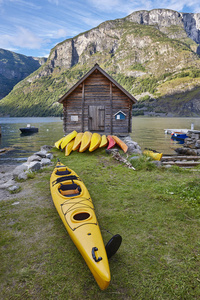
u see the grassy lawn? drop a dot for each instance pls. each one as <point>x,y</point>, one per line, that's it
<point>156,211</point>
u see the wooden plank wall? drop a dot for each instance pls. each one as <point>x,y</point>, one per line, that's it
<point>97,90</point>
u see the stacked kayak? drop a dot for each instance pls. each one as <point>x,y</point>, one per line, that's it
<point>83,141</point>
<point>75,208</point>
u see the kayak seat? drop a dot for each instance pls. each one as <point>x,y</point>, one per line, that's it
<point>65,172</point>
<point>70,190</point>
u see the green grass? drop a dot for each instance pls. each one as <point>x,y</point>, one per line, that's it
<point>155,210</point>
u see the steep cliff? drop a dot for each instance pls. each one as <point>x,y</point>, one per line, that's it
<point>153,52</point>
<point>15,67</point>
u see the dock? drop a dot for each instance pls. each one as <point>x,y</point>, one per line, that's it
<point>170,131</point>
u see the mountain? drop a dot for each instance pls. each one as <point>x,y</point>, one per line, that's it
<point>15,67</point>
<point>155,55</point>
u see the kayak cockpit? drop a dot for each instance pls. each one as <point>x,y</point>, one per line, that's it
<point>69,190</point>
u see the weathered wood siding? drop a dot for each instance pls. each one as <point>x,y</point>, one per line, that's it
<point>93,104</point>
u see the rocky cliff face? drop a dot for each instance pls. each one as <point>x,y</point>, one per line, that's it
<point>15,67</point>
<point>154,52</point>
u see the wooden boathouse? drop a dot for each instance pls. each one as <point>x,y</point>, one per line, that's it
<point>97,103</point>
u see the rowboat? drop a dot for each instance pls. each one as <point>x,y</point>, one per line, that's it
<point>104,141</point>
<point>75,208</point>
<point>153,154</point>
<point>28,130</point>
<point>68,148</point>
<point>95,141</point>
<point>120,143</point>
<point>111,142</point>
<point>68,138</point>
<point>77,141</point>
<point>85,142</point>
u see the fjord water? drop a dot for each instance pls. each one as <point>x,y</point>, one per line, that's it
<point>147,132</point>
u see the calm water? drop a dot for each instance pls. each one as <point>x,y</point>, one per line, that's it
<point>147,132</point>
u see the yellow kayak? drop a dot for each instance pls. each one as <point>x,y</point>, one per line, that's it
<point>153,154</point>
<point>95,141</point>
<point>58,143</point>
<point>68,138</point>
<point>104,141</point>
<point>68,148</point>
<point>74,205</point>
<point>77,141</point>
<point>120,143</point>
<point>85,142</point>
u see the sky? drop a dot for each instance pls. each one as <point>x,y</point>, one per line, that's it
<point>34,27</point>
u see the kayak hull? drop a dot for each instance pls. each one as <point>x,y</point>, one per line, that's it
<point>85,142</point>
<point>104,141</point>
<point>111,142</point>
<point>68,148</point>
<point>68,139</point>
<point>77,141</point>
<point>78,215</point>
<point>95,141</point>
<point>120,143</point>
<point>153,154</point>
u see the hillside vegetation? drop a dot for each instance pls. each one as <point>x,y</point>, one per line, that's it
<point>158,63</point>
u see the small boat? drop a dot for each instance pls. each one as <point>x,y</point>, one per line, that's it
<point>75,208</point>
<point>95,141</point>
<point>120,143</point>
<point>153,154</point>
<point>77,141</point>
<point>178,136</point>
<point>104,141</point>
<point>68,148</point>
<point>85,142</point>
<point>68,138</point>
<point>28,130</point>
<point>111,142</point>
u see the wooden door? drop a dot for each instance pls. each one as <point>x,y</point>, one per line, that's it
<point>96,118</point>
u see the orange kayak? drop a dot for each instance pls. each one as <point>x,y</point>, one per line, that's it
<point>120,143</point>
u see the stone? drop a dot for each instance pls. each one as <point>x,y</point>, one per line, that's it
<point>13,188</point>
<point>45,161</point>
<point>34,166</point>
<point>19,169</point>
<point>22,176</point>
<point>41,153</point>
<point>49,156</point>
<point>34,158</point>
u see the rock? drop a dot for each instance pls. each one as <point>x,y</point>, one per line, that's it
<point>13,188</point>
<point>49,155</point>
<point>22,176</point>
<point>34,166</point>
<point>45,161</point>
<point>41,153</point>
<point>157,163</point>
<point>134,157</point>
<point>7,184</point>
<point>46,148</point>
<point>34,157</point>
<point>19,169</point>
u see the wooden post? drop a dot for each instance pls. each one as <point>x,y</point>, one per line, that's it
<point>82,105</point>
<point>111,110</point>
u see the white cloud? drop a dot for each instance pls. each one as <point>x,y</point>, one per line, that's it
<point>23,38</point>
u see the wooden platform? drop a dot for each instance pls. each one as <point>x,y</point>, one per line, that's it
<point>181,161</point>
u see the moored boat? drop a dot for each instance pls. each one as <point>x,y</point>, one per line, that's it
<point>28,130</point>
<point>178,135</point>
<point>74,205</point>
